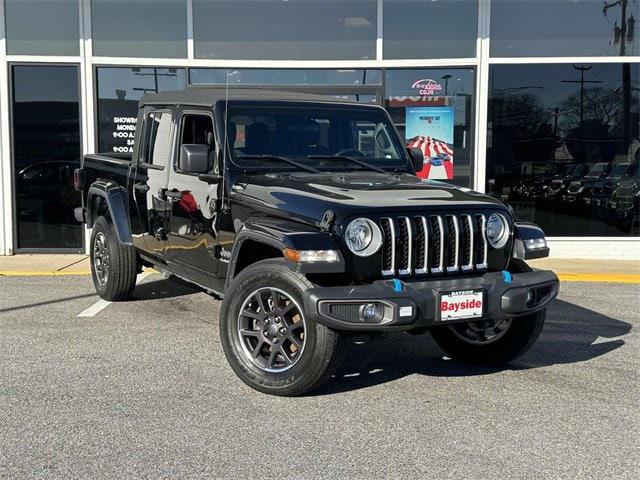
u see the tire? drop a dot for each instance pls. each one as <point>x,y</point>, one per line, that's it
<point>520,335</point>
<point>121,263</point>
<point>285,368</point>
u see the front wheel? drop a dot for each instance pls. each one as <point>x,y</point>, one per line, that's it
<point>267,338</point>
<point>488,342</point>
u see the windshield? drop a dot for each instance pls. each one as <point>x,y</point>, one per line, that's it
<point>632,171</point>
<point>322,138</point>
<point>619,170</point>
<point>596,169</point>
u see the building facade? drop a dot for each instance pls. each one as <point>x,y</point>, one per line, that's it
<point>533,101</point>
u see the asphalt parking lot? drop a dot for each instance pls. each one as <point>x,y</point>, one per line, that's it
<point>142,389</point>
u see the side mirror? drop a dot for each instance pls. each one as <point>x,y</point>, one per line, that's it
<point>417,158</point>
<point>194,158</point>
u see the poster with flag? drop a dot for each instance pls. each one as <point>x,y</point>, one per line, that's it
<point>431,130</point>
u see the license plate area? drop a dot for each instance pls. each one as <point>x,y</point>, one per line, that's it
<point>460,305</point>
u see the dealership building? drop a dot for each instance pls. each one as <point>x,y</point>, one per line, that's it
<point>535,102</point>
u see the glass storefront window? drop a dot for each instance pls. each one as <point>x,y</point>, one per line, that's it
<point>257,76</point>
<point>42,27</point>
<point>563,146</point>
<point>433,111</point>
<point>139,28</point>
<point>46,151</point>
<point>549,28</point>
<point>119,89</point>
<point>419,29</point>
<point>285,30</point>
<point>357,85</point>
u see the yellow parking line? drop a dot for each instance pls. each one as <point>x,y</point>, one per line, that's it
<point>41,273</point>
<point>599,277</point>
<point>563,276</point>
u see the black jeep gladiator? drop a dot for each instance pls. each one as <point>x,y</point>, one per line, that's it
<point>305,215</point>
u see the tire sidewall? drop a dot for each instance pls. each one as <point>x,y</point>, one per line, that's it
<point>101,225</point>
<point>272,274</point>
<point>110,290</point>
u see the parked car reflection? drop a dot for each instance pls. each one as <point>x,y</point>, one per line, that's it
<point>45,199</point>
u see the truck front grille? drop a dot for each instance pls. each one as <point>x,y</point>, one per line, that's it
<point>433,244</point>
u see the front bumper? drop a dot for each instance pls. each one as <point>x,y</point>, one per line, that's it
<point>409,305</point>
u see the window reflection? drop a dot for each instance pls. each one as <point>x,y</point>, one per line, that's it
<point>420,29</point>
<point>544,28</point>
<point>257,76</point>
<point>433,110</point>
<point>119,90</point>
<point>563,145</point>
<point>139,28</point>
<point>285,30</point>
<point>46,145</point>
<point>42,27</point>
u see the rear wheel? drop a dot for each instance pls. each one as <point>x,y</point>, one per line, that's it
<point>489,342</point>
<point>113,265</point>
<point>267,338</point>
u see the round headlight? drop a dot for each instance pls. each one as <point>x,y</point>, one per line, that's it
<point>497,230</point>
<point>363,237</point>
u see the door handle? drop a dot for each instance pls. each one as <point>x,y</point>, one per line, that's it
<point>141,187</point>
<point>173,194</point>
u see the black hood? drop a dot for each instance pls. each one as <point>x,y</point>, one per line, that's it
<point>308,196</point>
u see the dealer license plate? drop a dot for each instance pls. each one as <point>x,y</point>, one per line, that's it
<point>461,305</point>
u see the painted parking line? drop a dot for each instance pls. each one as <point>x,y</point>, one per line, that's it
<point>95,308</point>
<point>41,273</point>
<point>102,304</point>
<point>600,277</point>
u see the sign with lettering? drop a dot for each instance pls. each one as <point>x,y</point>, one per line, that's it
<point>117,127</point>
<point>431,130</point>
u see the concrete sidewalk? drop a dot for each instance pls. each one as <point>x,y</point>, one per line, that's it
<point>619,271</point>
<point>44,264</point>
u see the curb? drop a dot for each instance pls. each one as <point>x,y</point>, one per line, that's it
<point>563,276</point>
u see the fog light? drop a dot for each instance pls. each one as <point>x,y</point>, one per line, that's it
<point>371,312</point>
<point>531,296</point>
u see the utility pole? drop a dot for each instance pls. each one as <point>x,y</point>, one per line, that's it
<point>446,84</point>
<point>626,67</point>
<point>582,81</point>
<point>556,114</point>
<point>137,71</point>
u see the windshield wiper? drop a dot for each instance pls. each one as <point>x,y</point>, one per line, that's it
<point>288,160</point>
<point>362,163</point>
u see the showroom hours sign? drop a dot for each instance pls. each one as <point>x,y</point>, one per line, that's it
<point>117,128</point>
<point>123,133</point>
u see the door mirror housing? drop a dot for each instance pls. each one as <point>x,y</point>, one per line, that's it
<point>194,158</point>
<point>417,158</point>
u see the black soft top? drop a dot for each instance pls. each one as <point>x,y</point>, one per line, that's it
<point>207,96</point>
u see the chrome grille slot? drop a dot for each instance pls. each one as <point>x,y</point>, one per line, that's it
<point>404,247</point>
<point>388,247</point>
<point>467,242</point>
<point>481,246</point>
<point>437,242</point>
<point>453,243</point>
<point>422,244</point>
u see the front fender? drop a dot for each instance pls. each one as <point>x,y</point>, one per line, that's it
<point>286,234</point>
<point>116,199</point>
